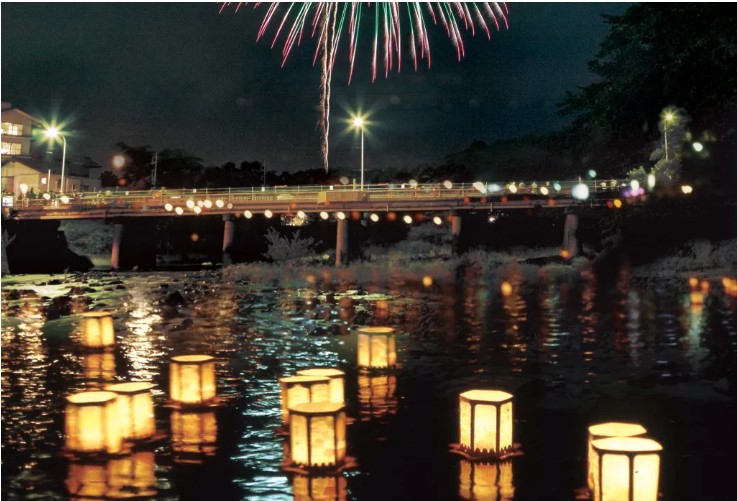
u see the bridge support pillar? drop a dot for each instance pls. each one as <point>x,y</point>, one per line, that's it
<point>117,241</point>
<point>570,242</point>
<point>341,243</point>
<point>455,231</point>
<point>228,238</point>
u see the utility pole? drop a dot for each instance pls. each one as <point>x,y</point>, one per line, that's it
<point>155,161</point>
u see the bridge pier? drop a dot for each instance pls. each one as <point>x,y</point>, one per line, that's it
<point>117,241</point>
<point>455,231</point>
<point>228,238</point>
<point>570,242</point>
<point>341,243</point>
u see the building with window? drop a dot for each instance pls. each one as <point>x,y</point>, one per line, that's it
<point>26,163</point>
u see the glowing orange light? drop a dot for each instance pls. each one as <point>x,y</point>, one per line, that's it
<point>195,237</point>
<point>617,203</point>
<point>705,286</point>
<point>506,289</point>
<point>693,282</point>
<point>427,281</point>
<point>564,253</point>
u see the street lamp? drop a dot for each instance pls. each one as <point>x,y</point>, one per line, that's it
<point>53,133</point>
<point>358,122</point>
<point>668,118</point>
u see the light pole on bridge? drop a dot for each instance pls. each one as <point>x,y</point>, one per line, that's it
<point>53,133</point>
<point>359,123</point>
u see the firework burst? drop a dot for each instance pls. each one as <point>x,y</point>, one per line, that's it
<point>330,22</point>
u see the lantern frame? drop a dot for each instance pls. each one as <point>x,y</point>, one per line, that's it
<point>475,398</point>
<point>311,482</point>
<point>366,335</point>
<point>608,429</point>
<point>630,448</point>
<point>101,319</point>
<point>310,411</point>
<point>336,383</point>
<point>469,479</point>
<point>311,383</point>
<point>178,362</point>
<point>107,402</point>
<point>128,392</point>
<point>194,452</point>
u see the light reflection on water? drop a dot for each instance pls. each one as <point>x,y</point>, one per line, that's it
<point>571,333</point>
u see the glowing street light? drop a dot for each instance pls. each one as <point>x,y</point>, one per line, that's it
<point>53,133</point>
<point>668,118</point>
<point>359,123</point>
<point>698,147</point>
<point>118,161</point>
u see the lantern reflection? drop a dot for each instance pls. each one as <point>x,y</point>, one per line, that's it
<point>97,330</point>
<point>317,435</point>
<point>608,430</point>
<point>626,468</point>
<point>192,380</point>
<point>319,488</point>
<point>91,423</point>
<point>377,348</point>
<point>486,424</point>
<point>301,389</point>
<point>193,435</point>
<point>135,409</point>
<point>98,366</point>
<point>336,384</point>
<point>128,477</point>
<point>376,395</point>
<point>486,481</point>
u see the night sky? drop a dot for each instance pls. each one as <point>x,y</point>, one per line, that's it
<point>180,75</point>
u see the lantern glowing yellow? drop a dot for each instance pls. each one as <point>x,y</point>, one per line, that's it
<point>87,480</point>
<point>193,432</point>
<point>133,476</point>
<point>317,434</point>
<point>626,469</point>
<point>97,330</point>
<point>486,423</point>
<point>98,366</point>
<point>377,348</point>
<point>192,380</point>
<point>506,288</point>
<point>319,488</point>
<point>91,423</point>
<point>301,389</point>
<point>135,409</point>
<point>376,395</point>
<point>336,390</point>
<point>486,481</point>
<point>608,430</point>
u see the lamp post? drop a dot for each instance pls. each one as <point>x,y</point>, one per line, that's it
<point>359,123</point>
<point>667,119</point>
<point>53,133</point>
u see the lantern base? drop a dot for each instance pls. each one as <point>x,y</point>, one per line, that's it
<point>210,404</point>
<point>95,456</point>
<point>148,442</point>
<point>348,462</point>
<point>513,451</point>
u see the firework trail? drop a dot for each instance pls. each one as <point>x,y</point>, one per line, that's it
<point>328,22</point>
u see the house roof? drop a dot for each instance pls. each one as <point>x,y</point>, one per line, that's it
<point>18,110</point>
<point>73,167</point>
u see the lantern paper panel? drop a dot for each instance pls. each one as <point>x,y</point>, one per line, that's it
<point>607,430</point>
<point>297,390</point>
<point>492,481</point>
<point>91,423</point>
<point>98,366</point>
<point>97,330</point>
<point>376,395</point>
<point>319,488</point>
<point>133,475</point>
<point>486,421</point>
<point>193,432</point>
<point>135,409</point>
<point>317,434</point>
<point>377,348</point>
<point>87,480</point>
<point>336,391</point>
<point>192,379</point>
<point>626,469</point>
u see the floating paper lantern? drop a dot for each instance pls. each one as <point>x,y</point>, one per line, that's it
<point>301,389</point>
<point>377,347</point>
<point>608,430</point>
<point>319,488</point>
<point>486,423</point>
<point>98,366</point>
<point>135,409</point>
<point>486,480</point>
<point>317,435</point>
<point>336,391</point>
<point>626,469</point>
<point>192,380</point>
<point>133,476</point>
<point>97,330</point>
<point>376,395</point>
<point>91,423</point>
<point>193,432</point>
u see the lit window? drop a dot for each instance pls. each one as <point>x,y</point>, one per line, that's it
<point>12,129</point>
<point>10,148</point>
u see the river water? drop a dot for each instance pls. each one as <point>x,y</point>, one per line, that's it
<point>574,349</point>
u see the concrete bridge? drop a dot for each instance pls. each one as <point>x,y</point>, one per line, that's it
<point>118,205</point>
